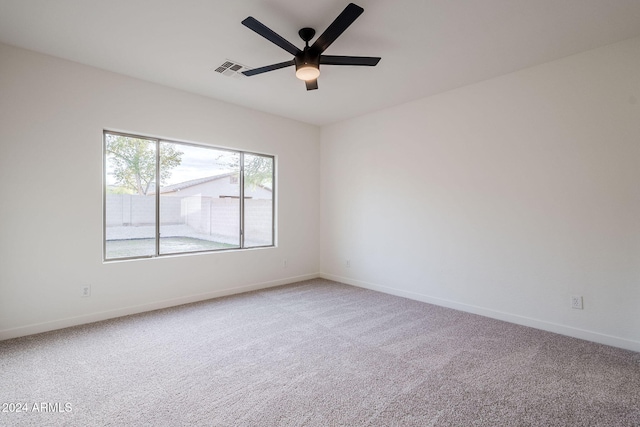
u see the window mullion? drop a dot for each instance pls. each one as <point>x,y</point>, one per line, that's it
<point>241,181</point>
<point>157,198</point>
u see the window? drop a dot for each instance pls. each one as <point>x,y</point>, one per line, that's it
<point>165,197</point>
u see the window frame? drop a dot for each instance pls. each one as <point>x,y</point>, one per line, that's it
<point>241,220</point>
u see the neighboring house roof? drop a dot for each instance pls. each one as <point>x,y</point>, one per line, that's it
<point>186,184</point>
<point>193,182</point>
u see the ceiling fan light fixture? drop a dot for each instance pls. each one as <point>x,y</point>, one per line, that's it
<point>307,72</point>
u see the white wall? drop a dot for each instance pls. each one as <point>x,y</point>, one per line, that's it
<point>52,114</point>
<point>502,198</point>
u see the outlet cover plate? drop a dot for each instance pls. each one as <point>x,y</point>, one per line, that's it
<point>576,302</point>
<point>85,291</point>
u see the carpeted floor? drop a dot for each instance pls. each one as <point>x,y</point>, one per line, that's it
<point>315,353</point>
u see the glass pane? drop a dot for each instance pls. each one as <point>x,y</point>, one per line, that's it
<point>258,200</point>
<point>199,199</point>
<point>130,217</point>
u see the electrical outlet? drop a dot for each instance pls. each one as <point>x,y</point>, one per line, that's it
<point>576,302</point>
<point>347,263</point>
<point>284,263</point>
<point>85,291</point>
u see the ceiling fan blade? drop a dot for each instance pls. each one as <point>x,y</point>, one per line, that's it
<point>266,68</point>
<point>312,84</point>
<point>337,27</point>
<point>255,25</point>
<point>349,60</point>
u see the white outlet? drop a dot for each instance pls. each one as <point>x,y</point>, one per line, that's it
<point>576,302</point>
<point>347,263</point>
<point>284,263</point>
<point>85,291</point>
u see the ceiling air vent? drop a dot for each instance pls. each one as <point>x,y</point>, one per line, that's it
<point>231,69</point>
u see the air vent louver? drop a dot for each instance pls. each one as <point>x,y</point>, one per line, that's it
<point>231,69</point>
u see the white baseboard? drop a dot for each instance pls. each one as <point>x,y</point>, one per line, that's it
<point>507,317</point>
<point>156,305</point>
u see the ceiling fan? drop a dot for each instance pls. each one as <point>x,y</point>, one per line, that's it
<point>308,60</point>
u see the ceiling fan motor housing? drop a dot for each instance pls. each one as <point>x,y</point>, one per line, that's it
<point>307,58</point>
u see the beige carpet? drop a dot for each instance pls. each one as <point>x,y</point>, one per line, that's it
<point>316,353</point>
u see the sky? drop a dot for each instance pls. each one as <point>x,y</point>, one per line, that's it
<point>200,162</point>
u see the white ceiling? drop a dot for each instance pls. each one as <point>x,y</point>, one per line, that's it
<point>427,46</point>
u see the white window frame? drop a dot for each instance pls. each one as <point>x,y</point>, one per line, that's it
<point>157,142</point>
